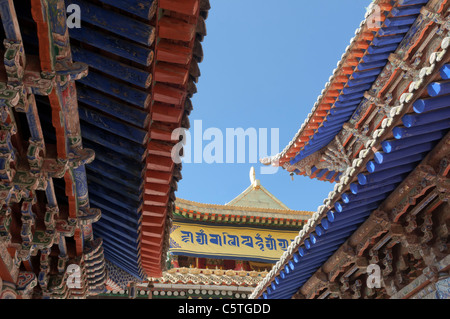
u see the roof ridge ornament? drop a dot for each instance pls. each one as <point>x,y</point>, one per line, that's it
<point>252,175</point>
<point>271,160</point>
<point>254,182</point>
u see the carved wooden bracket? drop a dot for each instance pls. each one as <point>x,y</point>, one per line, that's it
<point>356,288</point>
<point>343,257</point>
<point>410,71</point>
<point>317,282</point>
<point>381,104</point>
<point>435,17</point>
<point>298,295</point>
<point>373,227</point>
<point>361,134</point>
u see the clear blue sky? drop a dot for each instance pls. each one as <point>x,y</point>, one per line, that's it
<point>265,63</point>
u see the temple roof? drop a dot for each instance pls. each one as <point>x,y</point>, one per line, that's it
<point>403,150</point>
<point>143,61</point>
<point>187,207</point>
<point>351,89</point>
<point>254,204</point>
<point>257,196</point>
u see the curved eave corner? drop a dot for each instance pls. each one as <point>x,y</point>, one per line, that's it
<point>315,150</point>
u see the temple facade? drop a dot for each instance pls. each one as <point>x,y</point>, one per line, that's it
<point>221,251</point>
<point>381,125</point>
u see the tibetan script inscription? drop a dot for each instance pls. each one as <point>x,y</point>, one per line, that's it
<point>229,241</point>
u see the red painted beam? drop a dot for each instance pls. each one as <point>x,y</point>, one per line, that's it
<point>152,231</point>
<point>156,200</point>
<point>152,244</point>
<point>173,53</point>
<point>175,29</point>
<point>154,176</point>
<point>162,135</point>
<point>154,211</point>
<point>169,73</point>
<point>153,221</point>
<point>156,147</point>
<point>159,163</point>
<point>157,189</point>
<point>188,7</point>
<point>166,113</point>
<point>167,94</point>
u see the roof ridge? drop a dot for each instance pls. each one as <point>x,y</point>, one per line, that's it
<point>244,208</point>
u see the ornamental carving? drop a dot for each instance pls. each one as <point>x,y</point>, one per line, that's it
<point>35,155</point>
<point>344,256</point>
<point>14,60</point>
<point>54,168</point>
<point>26,281</point>
<point>387,262</point>
<point>70,71</point>
<point>315,284</point>
<point>208,276</point>
<point>37,83</point>
<point>437,18</point>
<point>382,105</point>
<point>337,157</point>
<point>373,227</point>
<point>411,242</point>
<point>410,72</point>
<point>361,134</point>
<point>356,288</point>
<point>7,170</point>
<point>9,97</point>
<point>5,223</point>
<point>306,164</point>
<point>80,156</point>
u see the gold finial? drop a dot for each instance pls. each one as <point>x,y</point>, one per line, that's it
<point>254,182</point>
<point>252,175</point>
